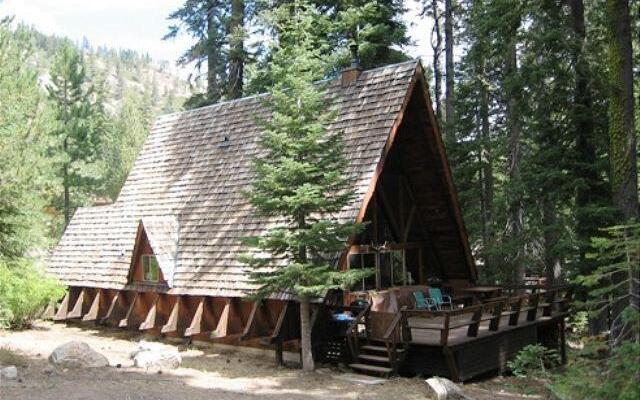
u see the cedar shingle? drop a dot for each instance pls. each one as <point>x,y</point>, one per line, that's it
<point>186,189</point>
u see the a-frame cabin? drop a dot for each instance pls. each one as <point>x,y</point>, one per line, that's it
<point>164,257</point>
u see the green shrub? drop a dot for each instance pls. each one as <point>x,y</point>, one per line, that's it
<point>24,292</point>
<point>534,360</point>
<point>612,378</point>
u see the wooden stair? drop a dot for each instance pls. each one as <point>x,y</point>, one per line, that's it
<point>374,359</point>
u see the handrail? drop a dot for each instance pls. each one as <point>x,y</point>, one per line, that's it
<point>475,312</point>
<point>352,332</point>
<point>356,321</point>
<point>394,324</point>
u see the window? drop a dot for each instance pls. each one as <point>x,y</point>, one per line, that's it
<point>150,271</point>
<point>360,261</point>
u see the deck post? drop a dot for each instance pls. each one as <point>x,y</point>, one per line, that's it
<point>451,363</point>
<point>563,342</point>
<point>444,334</point>
<point>279,352</point>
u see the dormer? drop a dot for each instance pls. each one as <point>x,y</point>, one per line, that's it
<point>154,254</point>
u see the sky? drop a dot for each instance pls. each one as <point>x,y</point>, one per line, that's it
<point>141,24</point>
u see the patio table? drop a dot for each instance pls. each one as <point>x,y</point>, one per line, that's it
<point>481,293</point>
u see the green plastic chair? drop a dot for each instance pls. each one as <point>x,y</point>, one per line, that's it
<point>423,303</point>
<point>440,299</point>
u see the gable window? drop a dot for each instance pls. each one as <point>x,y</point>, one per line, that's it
<point>150,268</point>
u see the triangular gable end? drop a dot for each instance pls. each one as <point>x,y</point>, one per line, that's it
<point>417,104</point>
<point>156,237</point>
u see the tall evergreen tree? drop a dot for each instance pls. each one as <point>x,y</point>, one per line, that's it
<point>236,51</point>
<point>622,133</point>
<point>432,9</point>
<point>70,94</point>
<point>26,169</point>
<point>449,65</point>
<point>301,178</point>
<point>205,21</point>
<point>376,27</point>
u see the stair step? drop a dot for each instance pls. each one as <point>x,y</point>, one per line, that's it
<point>371,357</point>
<point>371,368</point>
<point>371,347</point>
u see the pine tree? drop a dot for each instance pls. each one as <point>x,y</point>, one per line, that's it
<point>301,178</point>
<point>205,20</point>
<point>622,133</point>
<point>70,95</point>
<point>432,9</point>
<point>124,139</point>
<point>236,50</point>
<point>26,169</point>
<point>375,26</point>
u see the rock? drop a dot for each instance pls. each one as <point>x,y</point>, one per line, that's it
<point>9,372</point>
<point>444,389</point>
<point>155,355</point>
<point>77,355</point>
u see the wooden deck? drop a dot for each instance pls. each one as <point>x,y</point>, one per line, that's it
<point>458,336</point>
<point>461,343</point>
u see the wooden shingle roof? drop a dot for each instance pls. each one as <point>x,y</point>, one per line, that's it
<point>194,167</point>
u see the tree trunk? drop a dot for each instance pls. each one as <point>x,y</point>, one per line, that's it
<point>437,49</point>
<point>486,165</point>
<point>553,267</point>
<point>305,334</point>
<point>236,54</point>
<point>213,54</point>
<point>449,67</point>
<point>589,193</point>
<point>65,183</point>
<point>516,205</point>
<point>622,135</point>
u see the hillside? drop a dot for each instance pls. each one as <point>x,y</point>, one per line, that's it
<point>120,71</point>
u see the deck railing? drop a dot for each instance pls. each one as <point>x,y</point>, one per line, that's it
<point>493,311</point>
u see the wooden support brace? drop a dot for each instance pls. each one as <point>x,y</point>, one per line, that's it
<point>172,322</point>
<point>196,322</point>
<point>49,312</point>
<point>76,312</point>
<point>150,320</point>
<point>112,306</point>
<point>92,314</point>
<point>280,321</point>
<point>246,333</point>
<point>61,315</point>
<point>223,323</point>
<point>125,321</point>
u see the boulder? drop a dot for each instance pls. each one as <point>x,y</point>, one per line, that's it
<point>156,356</point>
<point>9,372</point>
<point>77,355</point>
<point>444,389</point>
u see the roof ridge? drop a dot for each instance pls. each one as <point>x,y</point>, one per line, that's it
<point>257,95</point>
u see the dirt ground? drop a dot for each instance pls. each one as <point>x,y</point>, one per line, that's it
<point>209,373</point>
